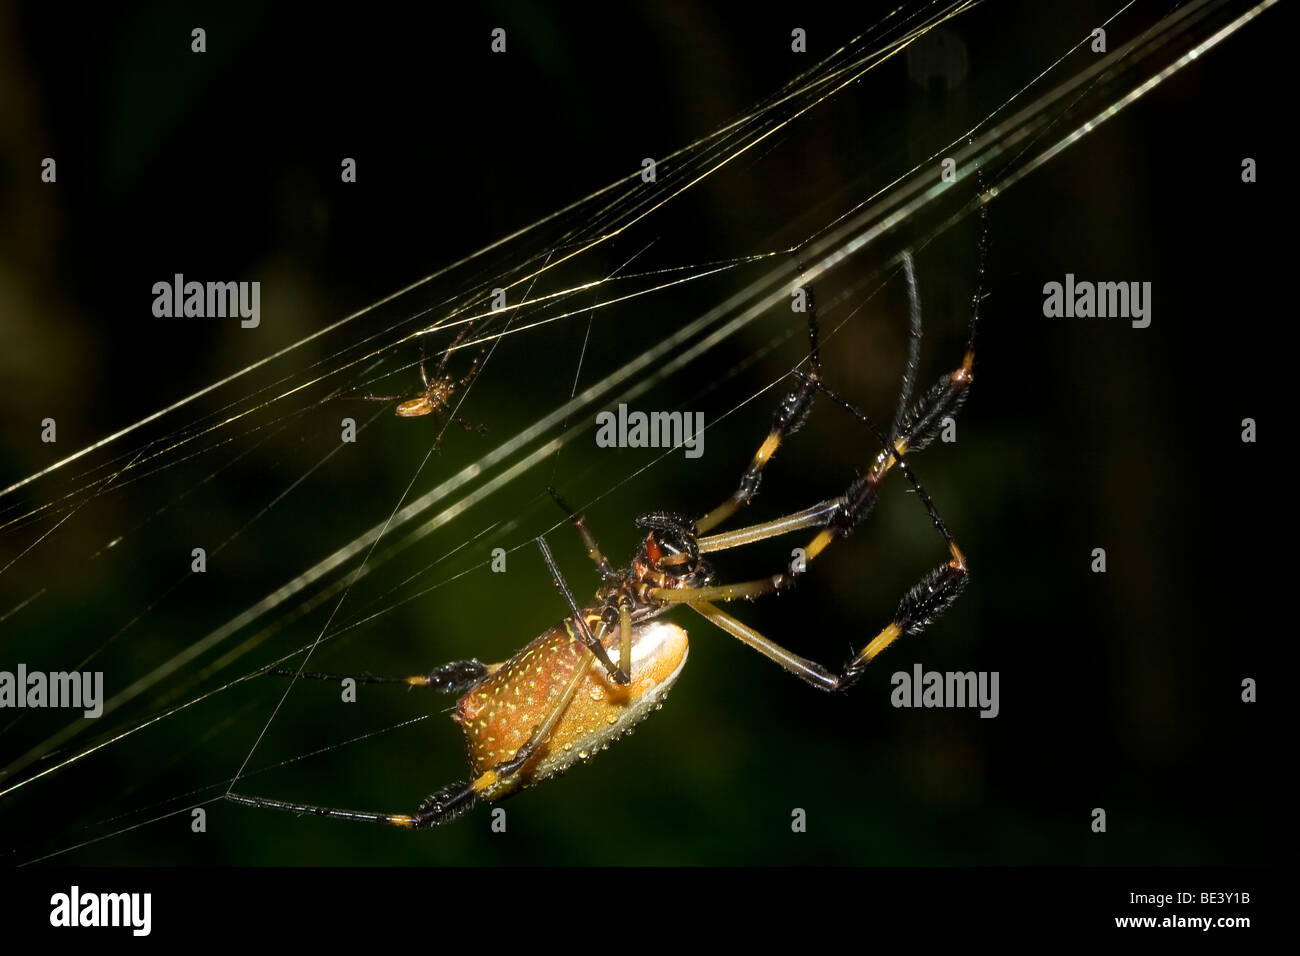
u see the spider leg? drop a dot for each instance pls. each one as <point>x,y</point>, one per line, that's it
<point>616,672</point>
<point>447,804</point>
<point>446,354</point>
<point>916,427</point>
<point>919,607</point>
<point>929,598</point>
<point>787,419</point>
<point>608,576</point>
<point>504,771</point>
<point>845,512</point>
<point>454,678</point>
<point>469,426</point>
<point>913,430</point>
<point>464,380</point>
<point>473,367</point>
<point>454,799</point>
<point>438,808</point>
<point>861,495</point>
<point>579,522</point>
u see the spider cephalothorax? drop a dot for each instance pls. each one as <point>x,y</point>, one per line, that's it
<point>670,555</point>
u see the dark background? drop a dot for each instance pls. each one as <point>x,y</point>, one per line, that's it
<point>1119,691</point>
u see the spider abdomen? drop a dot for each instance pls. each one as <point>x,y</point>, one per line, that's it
<point>501,712</point>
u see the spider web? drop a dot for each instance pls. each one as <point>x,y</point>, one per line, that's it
<point>613,298</point>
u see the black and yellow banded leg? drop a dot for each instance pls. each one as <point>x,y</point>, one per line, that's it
<point>839,516</point>
<point>454,799</point>
<point>438,808</point>
<point>913,429</point>
<point>454,678</point>
<point>448,803</point>
<point>787,419</point>
<point>862,498</point>
<point>919,607</point>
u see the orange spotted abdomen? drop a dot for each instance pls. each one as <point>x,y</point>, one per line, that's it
<point>499,714</point>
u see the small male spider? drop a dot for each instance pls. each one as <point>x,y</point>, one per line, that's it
<point>438,390</point>
<point>586,681</point>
